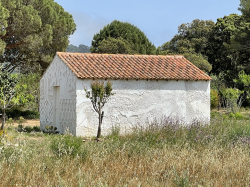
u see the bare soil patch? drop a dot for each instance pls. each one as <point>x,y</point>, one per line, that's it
<point>31,122</point>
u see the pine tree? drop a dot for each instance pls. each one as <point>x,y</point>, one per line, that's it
<point>137,40</point>
<point>32,32</point>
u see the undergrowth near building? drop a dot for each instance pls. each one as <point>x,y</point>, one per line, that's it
<point>161,154</point>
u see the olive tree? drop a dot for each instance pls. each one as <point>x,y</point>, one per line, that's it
<point>232,98</point>
<point>99,95</point>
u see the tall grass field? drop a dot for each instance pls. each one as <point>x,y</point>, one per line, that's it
<point>162,154</point>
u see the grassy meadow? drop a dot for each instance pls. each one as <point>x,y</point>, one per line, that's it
<point>163,154</point>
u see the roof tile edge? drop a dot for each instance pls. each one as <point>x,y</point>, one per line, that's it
<point>205,76</point>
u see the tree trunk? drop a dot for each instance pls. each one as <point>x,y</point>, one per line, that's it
<point>99,127</point>
<point>102,116</point>
<point>2,126</point>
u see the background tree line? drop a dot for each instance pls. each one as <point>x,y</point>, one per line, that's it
<point>220,49</point>
<point>33,30</point>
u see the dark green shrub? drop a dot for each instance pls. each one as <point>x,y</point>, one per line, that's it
<point>28,129</point>
<point>50,130</point>
<point>27,114</point>
<point>36,129</point>
<point>20,128</point>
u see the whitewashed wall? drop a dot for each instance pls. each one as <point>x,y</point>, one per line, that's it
<point>58,74</point>
<point>136,102</point>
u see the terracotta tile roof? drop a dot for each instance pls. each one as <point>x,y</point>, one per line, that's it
<point>119,66</point>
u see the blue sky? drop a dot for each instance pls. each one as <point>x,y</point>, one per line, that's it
<point>158,19</point>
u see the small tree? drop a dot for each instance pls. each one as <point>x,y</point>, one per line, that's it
<point>218,85</point>
<point>32,82</point>
<point>10,93</point>
<point>214,98</point>
<point>99,95</point>
<point>7,92</point>
<point>232,98</point>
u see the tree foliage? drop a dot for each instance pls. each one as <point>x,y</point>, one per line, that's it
<point>32,32</point>
<point>214,99</point>
<point>99,96</point>
<point>121,32</point>
<point>7,89</point>
<point>32,89</point>
<point>11,93</point>
<point>4,15</point>
<point>115,46</point>
<point>232,98</point>
<point>80,49</point>
<point>245,9</point>
<point>192,37</point>
<point>191,41</point>
<point>224,53</point>
<point>199,61</point>
<point>244,79</point>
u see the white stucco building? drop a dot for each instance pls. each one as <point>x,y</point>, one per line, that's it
<point>145,87</point>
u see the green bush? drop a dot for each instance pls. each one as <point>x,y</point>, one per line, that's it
<point>36,129</point>
<point>214,97</point>
<point>231,115</point>
<point>238,116</point>
<point>20,128</point>
<point>27,114</point>
<point>67,145</point>
<point>50,130</point>
<point>28,129</point>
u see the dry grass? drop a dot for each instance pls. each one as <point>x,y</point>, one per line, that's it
<point>167,158</point>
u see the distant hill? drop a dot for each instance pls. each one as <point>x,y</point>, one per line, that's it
<point>80,49</point>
